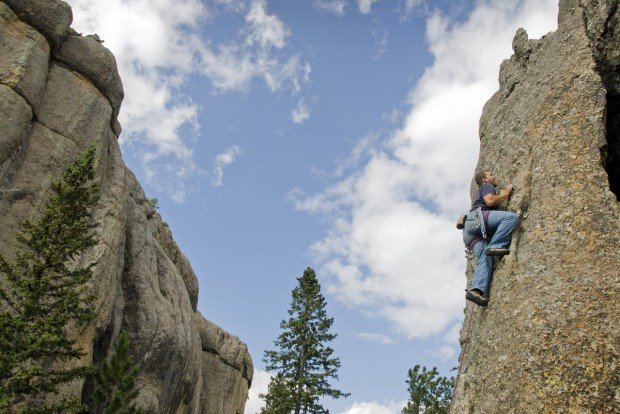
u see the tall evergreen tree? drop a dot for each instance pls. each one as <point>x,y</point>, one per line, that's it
<point>429,393</point>
<point>303,361</point>
<point>44,293</point>
<point>115,381</point>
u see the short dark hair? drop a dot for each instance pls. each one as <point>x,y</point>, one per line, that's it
<point>480,175</point>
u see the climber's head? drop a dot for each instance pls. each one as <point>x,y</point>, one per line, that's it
<point>486,176</point>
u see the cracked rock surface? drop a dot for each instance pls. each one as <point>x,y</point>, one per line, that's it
<point>549,341</point>
<point>58,92</point>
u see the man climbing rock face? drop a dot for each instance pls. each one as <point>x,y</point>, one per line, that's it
<point>487,233</point>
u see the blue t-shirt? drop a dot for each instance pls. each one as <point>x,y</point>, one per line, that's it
<point>485,189</point>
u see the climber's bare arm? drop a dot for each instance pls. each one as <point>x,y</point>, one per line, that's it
<point>491,200</point>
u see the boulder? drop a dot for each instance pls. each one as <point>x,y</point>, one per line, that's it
<point>227,369</point>
<point>25,57</point>
<point>51,18</point>
<point>89,57</point>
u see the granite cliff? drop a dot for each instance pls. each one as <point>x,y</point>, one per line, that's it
<point>60,91</point>
<point>549,341</point>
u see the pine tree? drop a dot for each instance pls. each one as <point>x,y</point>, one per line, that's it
<point>44,293</point>
<point>429,393</point>
<point>303,361</point>
<point>278,398</point>
<point>115,381</point>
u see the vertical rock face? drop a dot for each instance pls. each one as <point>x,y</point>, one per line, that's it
<point>58,92</point>
<point>549,340</point>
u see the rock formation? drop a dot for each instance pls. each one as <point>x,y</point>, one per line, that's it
<point>549,340</point>
<point>60,91</point>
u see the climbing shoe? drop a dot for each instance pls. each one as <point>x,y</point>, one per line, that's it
<point>476,297</point>
<point>496,251</point>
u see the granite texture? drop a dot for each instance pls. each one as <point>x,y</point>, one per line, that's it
<point>549,341</point>
<point>60,91</point>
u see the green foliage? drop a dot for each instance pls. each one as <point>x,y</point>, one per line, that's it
<point>429,393</point>
<point>278,398</point>
<point>43,293</point>
<point>303,361</point>
<point>115,381</point>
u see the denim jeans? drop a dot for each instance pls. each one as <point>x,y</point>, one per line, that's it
<point>500,225</point>
<point>483,269</point>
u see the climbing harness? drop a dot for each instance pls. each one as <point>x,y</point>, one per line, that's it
<point>480,219</point>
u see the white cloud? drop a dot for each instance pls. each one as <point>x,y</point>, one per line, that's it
<point>365,5</point>
<point>229,68</point>
<point>232,5</point>
<point>375,337</point>
<point>381,42</point>
<point>445,353</point>
<point>333,6</point>
<point>232,66</point>
<point>391,247</point>
<point>301,113</point>
<point>374,407</point>
<point>409,6</point>
<point>293,73</point>
<point>260,382</point>
<point>155,47</point>
<point>452,335</point>
<point>222,160</point>
<point>395,116</point>
<point>266,30</point>
<point>450,347</point>
<point>158,46</point>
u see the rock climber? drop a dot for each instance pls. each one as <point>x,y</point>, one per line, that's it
<point>487,232</point>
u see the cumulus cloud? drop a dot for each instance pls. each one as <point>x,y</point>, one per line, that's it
<point>260,382</point>
<point>391,248</point>
<point>301,113</point>
<point>365,5</point>
<point>158,46</point>
<point>375,337</point>
<point>374,407</point>
<point>332,6</point>
<point>222,160</point>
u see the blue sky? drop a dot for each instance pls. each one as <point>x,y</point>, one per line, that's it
<point>337,134</point>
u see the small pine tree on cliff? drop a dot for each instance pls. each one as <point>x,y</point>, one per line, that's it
<point>43,293</point>
<point>429,393</point>
<point>303,361</point>
<point>115,381</point>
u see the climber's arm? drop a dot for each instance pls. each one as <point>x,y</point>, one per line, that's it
<point>491,200</point>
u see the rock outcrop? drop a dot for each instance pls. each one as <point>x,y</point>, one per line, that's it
<point>549,340</point>
<point>60,91</point>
